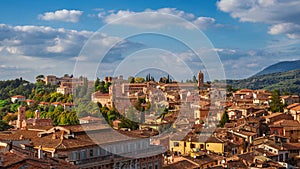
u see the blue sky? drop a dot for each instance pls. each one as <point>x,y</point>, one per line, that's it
<point>46,37</point>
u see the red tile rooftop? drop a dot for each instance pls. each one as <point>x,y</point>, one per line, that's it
<point>273,115</point>
<point>183,164</point>
<point>18,96</point>
<point>55,139</point>
<point>296,108</point>
<point>87,118</point>
<point>43,103</point>
<point>56,103</point>
<point>16,160</point>
<point>30,101</point>
<point>286,123</point>
<point>292,105</point>
<point>244,91</point>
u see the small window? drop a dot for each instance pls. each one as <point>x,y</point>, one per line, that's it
<point>83,154</point>
<point>75,155</point>
<point>176,144</point>
<point>280,157</point>
<point>91,152</point>
<point>193,145</point>
<point>156,165</point>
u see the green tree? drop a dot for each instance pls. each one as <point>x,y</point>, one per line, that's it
<point>14,107</point>
<point>194,79</point>
<point>97,83</point>
<point>139,80</point>
<point>3,103</point>
<point>163,113</point>
<point>130,79</point>
<point>40,77</point>
<point>168,79</point>
<point>126,123</point>
<point>276,104</point>
<point>4,125</point>
<point>106,87</point>
<point>29,114</point>
<point>131,115</point>
<point>229,88</point>
<point>10,117</point>
<point>224,119</point>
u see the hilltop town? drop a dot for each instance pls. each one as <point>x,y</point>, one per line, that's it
<point>72,122</point>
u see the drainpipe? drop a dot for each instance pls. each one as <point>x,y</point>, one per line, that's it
<point>40,152</point>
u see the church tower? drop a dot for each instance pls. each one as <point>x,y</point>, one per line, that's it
<point>21,118</point>
<point>200,81</point>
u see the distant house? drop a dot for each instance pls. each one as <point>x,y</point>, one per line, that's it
<point>56,104</point>
<point>43,104</point>
<point>17,98</point>
<point>246,136</point>
<point>287,128</point>
<point>277,116</point>
<point>234,114</point>
<point>243,94</point>
<point>280,151</point>
<point>68,106</point>
<point>194,143</point>
<point>51,79</point>
<point>295,111</point>
<point>65,90</point>
<point>30,102</point>
<point>103,98</point>
<point>261,97</point>
<point>290,99</point>
<point>89,119</point>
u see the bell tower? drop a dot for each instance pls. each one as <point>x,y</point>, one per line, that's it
<point>21,117</point>
<point>200,81</point>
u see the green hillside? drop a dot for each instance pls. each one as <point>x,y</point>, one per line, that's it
<point>284,81</point>
<point>280,67</point>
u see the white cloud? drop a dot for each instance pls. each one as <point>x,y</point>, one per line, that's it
<point>32,50</point>
<point>290,29</point>
<point>154,18</point>
<point>79,58</point>
<point>13,50</point>
<point>41,41</point>
<point>277,13</point>
<point>62,15</point>
<point>204,22</point>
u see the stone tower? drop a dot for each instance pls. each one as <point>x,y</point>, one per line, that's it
<point>21,117</point>
<point>200,81</point>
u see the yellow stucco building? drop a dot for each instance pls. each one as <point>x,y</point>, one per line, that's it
<point>190,144</point>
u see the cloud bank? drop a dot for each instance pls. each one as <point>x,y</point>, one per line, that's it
<point>62,15</point>
<point>283,16</point>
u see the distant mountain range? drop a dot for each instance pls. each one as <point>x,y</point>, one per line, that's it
<point>284,76</point>
<point>280,67</point>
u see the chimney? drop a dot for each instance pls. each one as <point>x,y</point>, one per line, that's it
<point>37,114</point>
<point>40,152</point>
<point>10,145</point>
<point>53,136</point>
<point>62,135</point>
